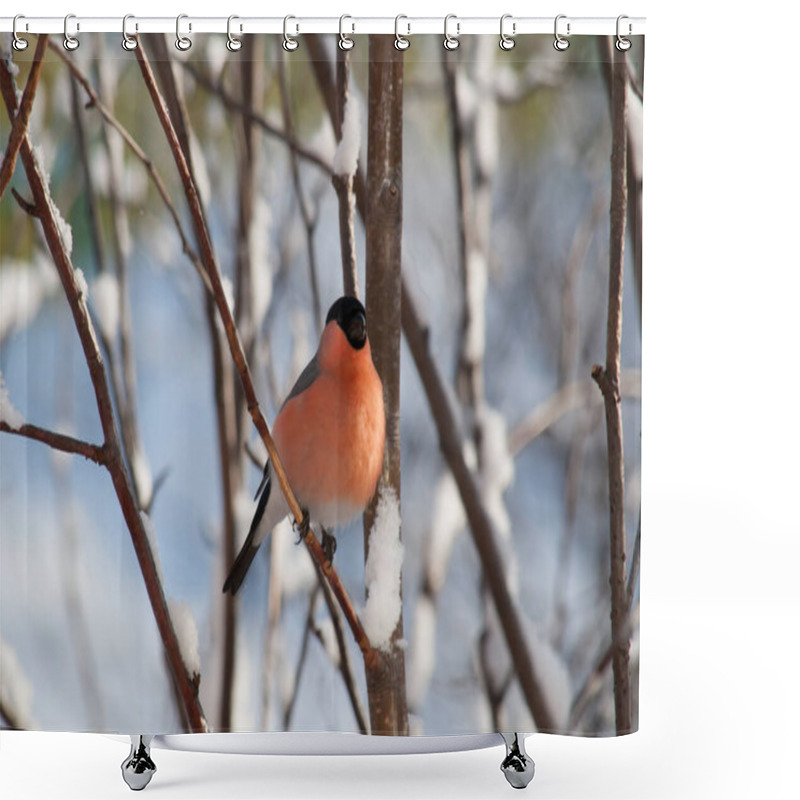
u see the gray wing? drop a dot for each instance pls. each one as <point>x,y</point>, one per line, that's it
<point>307,377</point>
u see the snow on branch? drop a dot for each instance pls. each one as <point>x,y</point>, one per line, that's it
<point>382,572</point>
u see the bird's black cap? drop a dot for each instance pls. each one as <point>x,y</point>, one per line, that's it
<point>350,315</point>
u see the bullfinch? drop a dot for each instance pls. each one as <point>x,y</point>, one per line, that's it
<point>329,434</point>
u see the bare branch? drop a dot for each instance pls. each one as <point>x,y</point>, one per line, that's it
<point>608,380</point>
<point>19,124</point>
<point>145,160</point>
<point>576,395</point>
<point>232,104</point>
<point>58,441</point>
<point>480,525</point>
<point>113,458</point>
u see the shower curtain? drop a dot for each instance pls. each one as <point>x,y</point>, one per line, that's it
<point>175,224</point>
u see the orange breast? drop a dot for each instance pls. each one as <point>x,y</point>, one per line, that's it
<point>331,437</point>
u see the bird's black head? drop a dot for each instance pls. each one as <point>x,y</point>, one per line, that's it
<point>350,316</point>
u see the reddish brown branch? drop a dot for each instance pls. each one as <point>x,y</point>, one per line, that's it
<point>187,686</point>
<point>19,124</point>
<point>235,345</point>
<point>59,441</point>
<point>607,379</point>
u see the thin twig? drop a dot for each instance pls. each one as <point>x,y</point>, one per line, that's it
<point>607,379</point>
<point>186,683</point>
<point>302,657</point>
<point>240,361</point>
<point>145,160</point>
<point>232,104</point>
<point>309,221</point>
<point>582,697</point>
<point>576,395</point>
<point>19,124</point>
<point>480,525</point>
<point>59,441</point>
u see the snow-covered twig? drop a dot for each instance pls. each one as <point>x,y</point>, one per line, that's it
<point>345,166</point>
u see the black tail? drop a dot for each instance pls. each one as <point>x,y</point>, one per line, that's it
<point>240,567</point>
<point>249,550</point>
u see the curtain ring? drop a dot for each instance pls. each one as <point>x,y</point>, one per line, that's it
<point>401,42</point>
<point>623,44</point>
<point>345,42</point>
<point>234,43</point>
<point>451,42</point>
<point>18,42</point>
<point>290,44</point>
<point>560,43</point>
<point>182,42</point>
<point>507,42</point>
<point>128,42</point>
<point>70,42</point>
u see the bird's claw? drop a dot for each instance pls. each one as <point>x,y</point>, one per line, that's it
<point>301,528</point>
<point>328,545</point>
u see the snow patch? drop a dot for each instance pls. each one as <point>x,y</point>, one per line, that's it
<point>83,287</point>
<point>142,476</point>
<point>382,572</point>
<point>345,160</point>
<point>8,413</point>
<point>186,631</point>
<point>153,540</point>
<point>105,298</point>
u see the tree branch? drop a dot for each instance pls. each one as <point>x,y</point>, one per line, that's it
<point>113,458</point>
<point>145,160</point>
<point>480,525</point>
<point>58,441</point>
<point>19,124</point>
<point>608,380</point>
<point>240,361</point>
<point>232,104</point>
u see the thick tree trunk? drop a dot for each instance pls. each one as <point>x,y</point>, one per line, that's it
<point>386,679</point>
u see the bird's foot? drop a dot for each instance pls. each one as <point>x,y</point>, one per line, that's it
<point>328,544</point>
<point>301,528</point>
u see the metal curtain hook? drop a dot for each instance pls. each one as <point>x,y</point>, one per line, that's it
<point>623,44</point>
<point>70,42</point>
<point>507,42</point>
<point>451,42</point>
<point>290,44</point>
<point>560,42</point>
<point>182,42</point>
<point>18,42</point>
<point>234,44</point>
<point>128,41</point>
<point>345,42</point>
<point>401,42</point>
